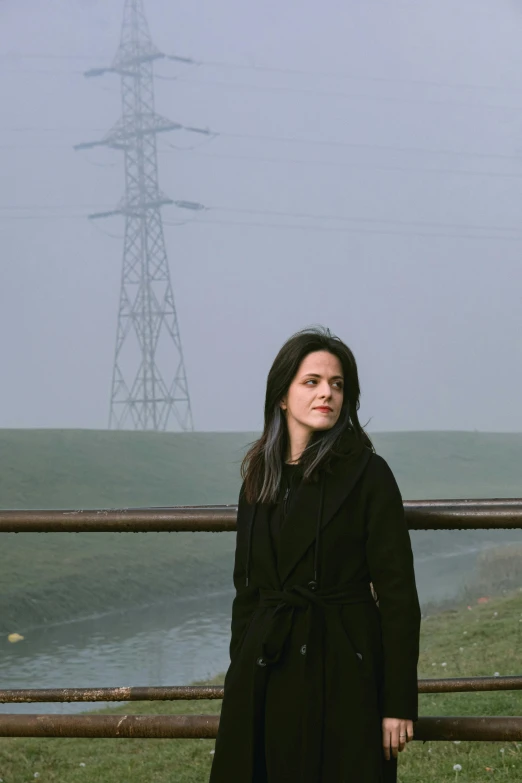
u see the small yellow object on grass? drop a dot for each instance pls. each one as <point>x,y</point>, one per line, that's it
<point>15,637</point>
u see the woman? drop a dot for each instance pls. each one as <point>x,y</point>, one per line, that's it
<point>322,684</point>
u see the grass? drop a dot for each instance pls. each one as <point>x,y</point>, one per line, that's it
<point>479,641</point>
<point>54,577</point>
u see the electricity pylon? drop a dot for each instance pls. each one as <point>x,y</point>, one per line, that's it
<point>149,383</point>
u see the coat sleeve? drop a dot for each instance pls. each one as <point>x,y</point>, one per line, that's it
<point>246,598</point>
<point>390,561</point>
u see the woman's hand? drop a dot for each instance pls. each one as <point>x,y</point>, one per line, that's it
<point>395,734</point>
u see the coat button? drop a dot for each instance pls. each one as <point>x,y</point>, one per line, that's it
<point>261,662</point>
<point>312,586</point>
<point>303,650</point>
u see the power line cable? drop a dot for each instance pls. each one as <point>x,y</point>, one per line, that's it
<point>96,225</point>
<point>295,216</point>
<point>351,219</point>
<point>366,146</point>
<point>180,222</point>
<point>354,77</point>
<point>61,129</point>
<point>53,207</point>
<point>296,227</point>
<point>279,70</point>
<point>357,165</point>
<point>357,96</point>
<point>107,165</point>
<point>209,137</point>
<point>289,226</point>
<point>295,140</point>
<point>43,217</point>
<point>386,232</point>
<point>49,56</point>
<point>297,90</point>
<point>33,146</point>
<point>44,72</point>
<point>365,167</point>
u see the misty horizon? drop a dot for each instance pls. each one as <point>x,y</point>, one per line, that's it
<point>363,171</point>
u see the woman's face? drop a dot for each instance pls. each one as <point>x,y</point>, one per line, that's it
<point>315,396</point>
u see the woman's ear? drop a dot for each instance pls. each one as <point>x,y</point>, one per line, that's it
<point>282,405</point>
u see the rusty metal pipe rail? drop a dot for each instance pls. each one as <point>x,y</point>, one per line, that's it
<point>500,514</point>
<point>471,684</point>
<point>505,729</point>
<point>197,692</point>
<point>137,693</point>
<point>420,515</point>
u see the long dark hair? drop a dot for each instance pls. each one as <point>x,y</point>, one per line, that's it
<point>262,465</point>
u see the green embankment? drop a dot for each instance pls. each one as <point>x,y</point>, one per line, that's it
<point>481,641</point>
<point>53,577</point>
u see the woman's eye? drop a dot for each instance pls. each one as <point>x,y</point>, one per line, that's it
<point>337,384</point>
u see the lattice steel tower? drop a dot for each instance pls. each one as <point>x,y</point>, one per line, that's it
<point>149,384</point>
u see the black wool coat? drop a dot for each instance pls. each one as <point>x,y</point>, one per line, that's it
<point>315,663</point>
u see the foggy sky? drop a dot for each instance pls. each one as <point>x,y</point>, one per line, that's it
<point>417,264</point>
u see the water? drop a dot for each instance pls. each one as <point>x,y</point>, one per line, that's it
<point>176,644</point>
<point>168,644</point>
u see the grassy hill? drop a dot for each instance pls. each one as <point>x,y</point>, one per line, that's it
<point>101,469</point>
<point>54,577</point>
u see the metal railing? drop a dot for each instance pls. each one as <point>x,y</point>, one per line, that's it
<point>420,515</point>
<point>498,514</point>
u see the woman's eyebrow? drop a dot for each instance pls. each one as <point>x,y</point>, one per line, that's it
<point>315,375</point>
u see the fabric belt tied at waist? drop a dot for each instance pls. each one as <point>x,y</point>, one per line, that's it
<point>315,603</point>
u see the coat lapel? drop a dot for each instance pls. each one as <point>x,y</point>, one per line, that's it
<point>299,530</point>
<point>263,547</point>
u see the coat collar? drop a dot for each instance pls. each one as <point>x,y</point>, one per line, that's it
<point>299,530</point>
